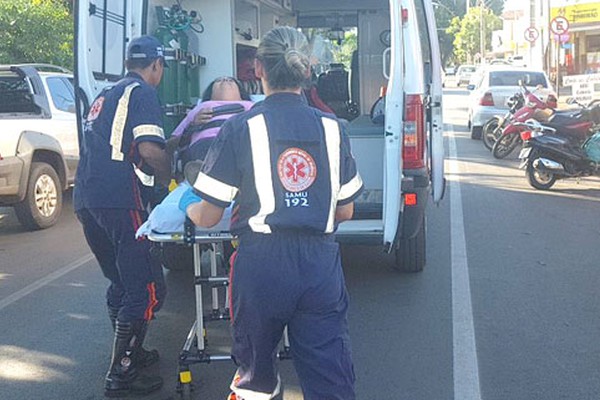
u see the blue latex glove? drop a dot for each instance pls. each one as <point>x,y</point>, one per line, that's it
<point>188,198</point>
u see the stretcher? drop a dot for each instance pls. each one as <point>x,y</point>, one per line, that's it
<point>195,349</point>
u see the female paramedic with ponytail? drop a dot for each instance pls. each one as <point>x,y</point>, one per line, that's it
<point>289,169</point>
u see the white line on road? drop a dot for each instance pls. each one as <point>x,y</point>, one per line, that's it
<point>466,370</point>
<point>44,281</point>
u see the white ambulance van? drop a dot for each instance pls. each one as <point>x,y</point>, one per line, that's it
<point>386,46</point>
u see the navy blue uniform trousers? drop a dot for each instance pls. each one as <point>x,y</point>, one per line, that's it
<point>295,280</point>
<point>137,286</point>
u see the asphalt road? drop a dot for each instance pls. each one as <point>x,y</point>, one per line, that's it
<point>507,307</point>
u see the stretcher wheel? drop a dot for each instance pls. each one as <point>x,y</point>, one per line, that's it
<point>186,392</point>
<point>185,386</point>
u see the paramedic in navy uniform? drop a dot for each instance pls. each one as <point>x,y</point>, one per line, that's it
<point>289,169</point>
<point>122,154</point>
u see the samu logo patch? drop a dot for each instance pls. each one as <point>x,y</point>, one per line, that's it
<point>296,169</point>
<point>95,109</point>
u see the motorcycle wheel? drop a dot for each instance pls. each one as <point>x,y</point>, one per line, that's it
<point>505,145</point>
<point>491,131</point>
<point>537,179</point>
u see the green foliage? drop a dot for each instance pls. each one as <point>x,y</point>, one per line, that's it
<point>445,11</point>
<point>342,53</point>
<point>39,31</point>
<point>466,32</point>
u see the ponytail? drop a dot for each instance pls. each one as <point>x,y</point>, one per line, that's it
<point>283,52</point>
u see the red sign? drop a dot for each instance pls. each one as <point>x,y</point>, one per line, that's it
<point>559,25</point>
<point>531,34</point>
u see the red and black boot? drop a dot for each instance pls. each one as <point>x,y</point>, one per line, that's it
<point>123,377</point>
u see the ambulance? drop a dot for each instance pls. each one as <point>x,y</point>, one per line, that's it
<point>376,66</point>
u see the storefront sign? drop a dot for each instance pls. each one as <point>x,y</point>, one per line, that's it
<point>585,87</point>
<point>578,14</point>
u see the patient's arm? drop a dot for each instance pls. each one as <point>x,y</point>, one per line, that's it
<point>205,214</point>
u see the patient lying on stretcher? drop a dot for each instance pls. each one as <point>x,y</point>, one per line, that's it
<point>223,98</point>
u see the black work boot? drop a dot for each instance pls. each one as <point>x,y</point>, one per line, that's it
<point>144,358</point>
<point>123,377</point>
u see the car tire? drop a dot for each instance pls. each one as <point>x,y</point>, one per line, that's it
<point>410,254</point>
<point>476,132</point>
<point>43,200</point>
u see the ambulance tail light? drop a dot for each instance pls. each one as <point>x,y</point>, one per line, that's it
<point>410,199</point>
<point>414,133</point>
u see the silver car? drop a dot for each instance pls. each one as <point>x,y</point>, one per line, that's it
<point>494,85</point>
<point>463,74</point>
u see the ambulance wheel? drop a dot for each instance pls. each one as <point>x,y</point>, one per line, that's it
<point>177,257</point>
<point>42,204</point>
<point>410,254</point>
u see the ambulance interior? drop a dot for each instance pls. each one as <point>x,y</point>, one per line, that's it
<point>207,39</point>
<point>350,87</point>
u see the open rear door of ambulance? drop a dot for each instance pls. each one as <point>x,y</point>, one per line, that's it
<point>394,125</point>
<point>102,30</point>
<point>436,121</point>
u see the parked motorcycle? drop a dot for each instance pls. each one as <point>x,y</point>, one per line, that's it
<point>549,155</point>
<point>493,128</point>
<point>508,138</point>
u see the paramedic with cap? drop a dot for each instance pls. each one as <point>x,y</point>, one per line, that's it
<point>122,154</point>
<point>289,169</point>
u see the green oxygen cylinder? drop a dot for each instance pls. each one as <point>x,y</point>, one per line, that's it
<point>168,88</point>
<point>183,77</point>
<point>194,63</point>
<point>194,77</point>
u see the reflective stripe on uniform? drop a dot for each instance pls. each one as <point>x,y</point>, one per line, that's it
<point>147,180</point>
<point>263,179</point>
<point>349,189</point>
<point>332,141</point>
<point>215,188</point>
<point>118,126</point>
<point>148,130</point>
<point>247,394</point>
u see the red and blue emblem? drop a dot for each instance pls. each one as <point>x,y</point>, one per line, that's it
<point>297,170</point>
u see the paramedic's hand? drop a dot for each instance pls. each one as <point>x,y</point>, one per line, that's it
<point>172,144</point>
<point>203,116</point>
<point>187,199</point>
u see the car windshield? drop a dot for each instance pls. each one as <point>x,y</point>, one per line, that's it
<point>511,78</point>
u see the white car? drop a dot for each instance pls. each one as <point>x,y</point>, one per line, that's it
<point>492,88</point>
<point>463,74</point>
<point>39,149</point>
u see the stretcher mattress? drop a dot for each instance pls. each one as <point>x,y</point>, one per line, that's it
<point>167,219</point>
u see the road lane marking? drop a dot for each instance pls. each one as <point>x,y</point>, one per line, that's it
<point>466,370</point>
<point>40,283</point>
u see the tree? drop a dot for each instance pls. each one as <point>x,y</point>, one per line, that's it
<point>445,11</point>
<point>36,31</point>
<point>466,32</point>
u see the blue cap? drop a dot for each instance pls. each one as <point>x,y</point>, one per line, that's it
<point>145,47</point>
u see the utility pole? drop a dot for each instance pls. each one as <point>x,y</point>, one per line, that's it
<point>481,32</point>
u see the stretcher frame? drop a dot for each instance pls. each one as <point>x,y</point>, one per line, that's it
<point>194,349</point>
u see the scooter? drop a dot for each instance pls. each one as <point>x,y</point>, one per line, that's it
<point>547,155</point>
<point>508,138</point>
